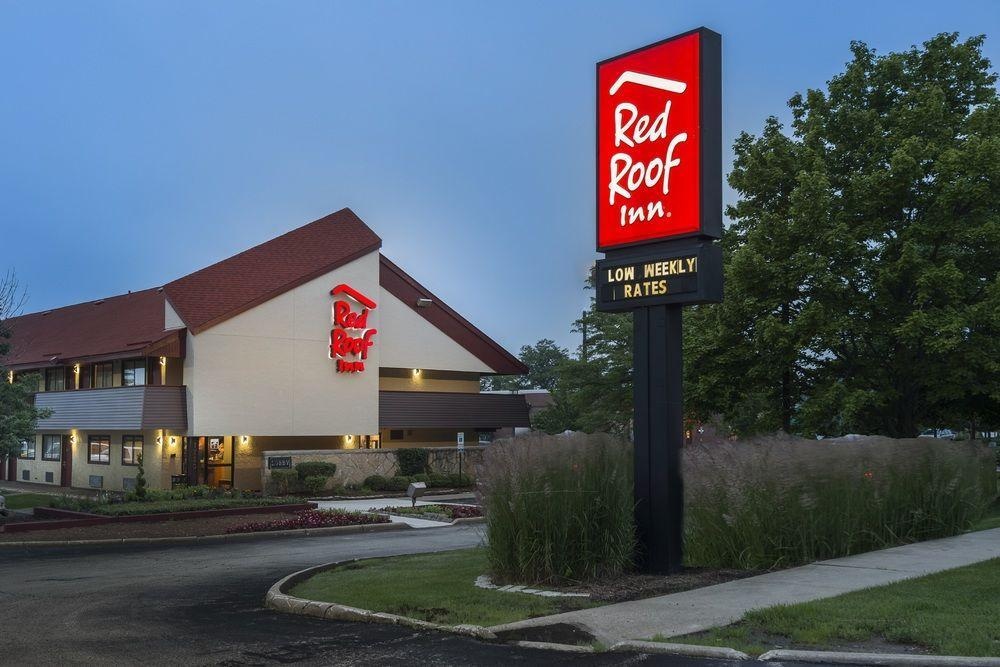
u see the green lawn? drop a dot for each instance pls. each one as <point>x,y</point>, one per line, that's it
<point>432,587</point>
<point>20,501</point>
<point>956,612</point>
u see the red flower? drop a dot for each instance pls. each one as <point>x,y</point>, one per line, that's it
<point>869,474</point>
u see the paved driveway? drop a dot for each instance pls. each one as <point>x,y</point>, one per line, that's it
<point>199,605</point>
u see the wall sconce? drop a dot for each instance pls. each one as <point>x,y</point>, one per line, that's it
<point>10,377</point>
<point>416,372</point>
<point>173,441</point>
<point>163,361</point>
<point>159,440</point>
<point>76,368</point>
<point>72,438</point>
<point>244,439</point>
<point>348,439</point>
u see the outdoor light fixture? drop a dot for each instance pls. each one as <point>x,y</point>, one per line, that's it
<point>72,438</point>
<point>10,377</point>
<point>416,372</point>
<point>348,439</point>
<point>424,303</point>
<point>173,441</point>
<point>244,439</point>
<point>159,440</point>
<point>163,361</point>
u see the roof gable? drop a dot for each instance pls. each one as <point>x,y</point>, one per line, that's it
<point>218,292</point>
<point>398,283</point>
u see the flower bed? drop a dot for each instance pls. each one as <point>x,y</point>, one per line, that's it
<point>434,512</point>
<point>311,519</point>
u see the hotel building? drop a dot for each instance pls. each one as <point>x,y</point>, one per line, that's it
<point>311,341</point>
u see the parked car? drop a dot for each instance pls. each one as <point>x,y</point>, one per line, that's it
<point>942,433</point>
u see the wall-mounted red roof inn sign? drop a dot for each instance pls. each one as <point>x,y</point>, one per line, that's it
<point>659,164</point>
<point>350,337</point>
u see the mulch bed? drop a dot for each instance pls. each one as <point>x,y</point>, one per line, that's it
<point>638,586</point>
<point>180,528</point>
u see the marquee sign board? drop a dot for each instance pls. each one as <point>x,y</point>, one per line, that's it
<point>659,142</point>
<point>690,273</point>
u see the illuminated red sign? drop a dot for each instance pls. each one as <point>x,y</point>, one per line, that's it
<point>658,142</point>
<point>350,337</point>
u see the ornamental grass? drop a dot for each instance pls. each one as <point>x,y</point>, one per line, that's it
<point>780,501</point>
<point>558,508</point>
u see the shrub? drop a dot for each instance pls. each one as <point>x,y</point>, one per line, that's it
<point>783,501</point>
<point>558,508</point>
<point>315,468</point>
<point>140,482</point>
<point>438,481</point>
<point>412,461</point>
<point>375,482</point>
<point>315,484</point>
<point>397,483</point>
<point>283,481</point>
<point>457,480</point>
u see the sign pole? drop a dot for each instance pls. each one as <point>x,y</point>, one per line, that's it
<point>659,212</point>
<point>658,436</point>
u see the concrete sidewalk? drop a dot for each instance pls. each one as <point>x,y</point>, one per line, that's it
<point>722,604</point>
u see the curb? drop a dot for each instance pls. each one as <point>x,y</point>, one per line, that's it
<point>550,646</point>
<point>692,650</point>
<point>278,600</point>
<point>235,537</point>
<point>846,658</point>
<point>213,539</point>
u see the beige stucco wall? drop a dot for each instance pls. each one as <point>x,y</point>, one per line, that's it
<point>410,341</point>
<point>156,461</point>
<point>37,467</point>
<point>267,371</point>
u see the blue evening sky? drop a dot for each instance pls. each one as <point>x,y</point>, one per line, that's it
<point>142,140</point>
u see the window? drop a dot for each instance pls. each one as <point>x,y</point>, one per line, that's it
<point>103,375</point>
<point>133,372</point>
<point>27,449</point>
<point>55,379</point>
<point>51,447</point>
<point>99,449</point>
<point>396,434</point>
<point>131,449</point>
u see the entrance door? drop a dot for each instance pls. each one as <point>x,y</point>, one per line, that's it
<point>66,474</point>
<point>208,460</point>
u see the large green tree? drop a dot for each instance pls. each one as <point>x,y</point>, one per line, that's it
<point>861,265</point>
<point>542,359</point>
<point>18,416</point>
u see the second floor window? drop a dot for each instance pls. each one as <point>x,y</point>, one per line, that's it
<point>133,372</point>
<point>103,375</point>
<point>55,379</point>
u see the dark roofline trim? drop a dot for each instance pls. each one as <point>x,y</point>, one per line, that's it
<point>264,298</point>
<point>402,286</point>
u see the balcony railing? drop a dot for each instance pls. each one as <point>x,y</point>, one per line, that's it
<point>115,408</point>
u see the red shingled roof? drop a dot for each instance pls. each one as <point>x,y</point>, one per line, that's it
<point>131,322</point>
<point>225,289</point>
<point>105,328</point>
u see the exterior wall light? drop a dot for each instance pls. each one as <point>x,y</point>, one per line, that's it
<point>173,441</point>
<point>416,372</point>
<point>424,303</point>
<point>72,438</point>
<point>10,377</point>
<point>349,440</point>
<point>244,439</point>
<point>159,440</point>
<point>163,361</point>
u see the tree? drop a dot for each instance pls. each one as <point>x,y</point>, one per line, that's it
<point>140,481</point>
<point>861,267</point>
<point>542,359</point>
<point>18,416</point>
